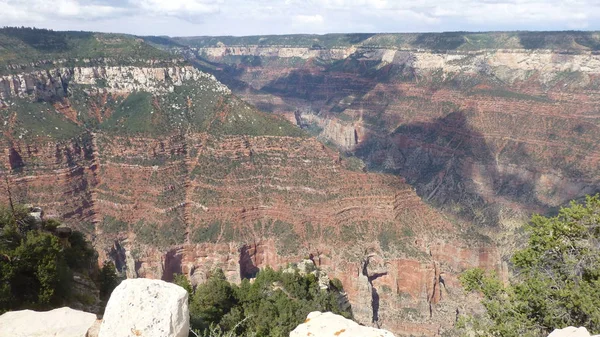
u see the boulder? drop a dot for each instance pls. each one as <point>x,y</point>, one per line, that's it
<point>570,331</point>
<point>149,308</point>
<point>327,324</point>
<point>63,322</point>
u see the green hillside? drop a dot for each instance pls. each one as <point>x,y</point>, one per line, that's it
<point>23,46</point>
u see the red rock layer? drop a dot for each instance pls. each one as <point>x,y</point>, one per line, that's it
<point>524,142</point>
<point>150,204</point>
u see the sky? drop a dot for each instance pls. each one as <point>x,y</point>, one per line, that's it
<point>261,17</point>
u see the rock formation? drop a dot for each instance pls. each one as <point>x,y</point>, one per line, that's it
<point>142,307</point>
<point>327,324</point>
<point>168,172</point>
<point>54,83</point>
<point>63,322</point>
<point>489,127</point>
<point>570,332</point>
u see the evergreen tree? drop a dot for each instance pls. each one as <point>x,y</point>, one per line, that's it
<point>557,278</point>
<point>272,305</point>
<point>108,279</point>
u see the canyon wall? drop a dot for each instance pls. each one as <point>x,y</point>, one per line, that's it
<point>488,135</point>
<point>168,172</point>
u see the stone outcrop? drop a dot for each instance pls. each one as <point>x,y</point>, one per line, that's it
<point>63,322</point>
<point>143,307</point>
<point>53,84</point>
<point>327,324</point>
<point>277,51</point>
<point>570,331</point>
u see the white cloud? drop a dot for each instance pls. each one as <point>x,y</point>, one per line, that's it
<point>244,17</point>
<point>309,19</point>
<point>183,8</point>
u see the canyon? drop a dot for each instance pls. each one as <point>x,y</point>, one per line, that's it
<point>234,189</point>
<point>424,162</point>
<point>487,127</point>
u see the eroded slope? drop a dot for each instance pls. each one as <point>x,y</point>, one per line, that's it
<point>486,126</point>
<point>169,172</point>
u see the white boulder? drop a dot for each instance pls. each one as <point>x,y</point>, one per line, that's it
<point>63,322</point>
<point>149,308</point>
<point>327,324</point>
<point>570,331</point>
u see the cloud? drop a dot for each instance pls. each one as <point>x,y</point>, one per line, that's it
<point>309,19</point>
<point>44,10</point>
<point>244,17</point>
<point>180,8</point>
<point>39,10</point>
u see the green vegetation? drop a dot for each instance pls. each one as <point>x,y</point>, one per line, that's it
<point>169,234</point>
<point>113,225</point>
<point>210,232</point>
<point>38,120</point>
<point>36,265</point>
<point>24,46</point>
<point>272,305</point>
<point>136,115</point>
<point>108,279</point>
<point>197,106</point>
<point>556,283</point>
<point>509,94</point>
<point>223,231</point>
<point>242,119</point>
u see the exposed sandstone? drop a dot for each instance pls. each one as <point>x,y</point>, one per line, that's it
<point>142,307</point>
<point>327,324</point>
<point>570,331</point>
<point>63,322</point>
<point>300,52</point>
<point>44,85</point>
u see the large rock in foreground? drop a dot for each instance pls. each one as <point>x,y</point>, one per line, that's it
<point>149,308</point>
<point>327,324</point>
<point>63,322</point>
<point>570,331</point>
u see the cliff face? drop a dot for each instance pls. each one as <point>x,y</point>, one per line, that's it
<point>169,173</point>
<point>53,84</point>
<point>490,135</point>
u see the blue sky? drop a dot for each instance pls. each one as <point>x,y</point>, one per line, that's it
<point>252,17</point>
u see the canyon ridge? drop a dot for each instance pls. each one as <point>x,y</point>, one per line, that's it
<point>393,161</point>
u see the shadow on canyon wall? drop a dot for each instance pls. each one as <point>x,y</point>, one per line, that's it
<point>248,269</point>
<point>451,166</point>
<point>444,159</point>
<point>319,84</point>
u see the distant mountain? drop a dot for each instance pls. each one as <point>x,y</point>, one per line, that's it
<point>451,41</point>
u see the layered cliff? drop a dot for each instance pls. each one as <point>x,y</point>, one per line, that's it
<point>168,172</point>
<point>486,126</point>
<point>45,85</point>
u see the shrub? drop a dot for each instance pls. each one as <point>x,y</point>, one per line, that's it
<point>557,278</point>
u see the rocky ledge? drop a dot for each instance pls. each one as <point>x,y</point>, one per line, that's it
<point>328,324</point>
<point>63,322</point>
<point>150,308</point>
<point>154,308</point>
<point>52,84</point>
